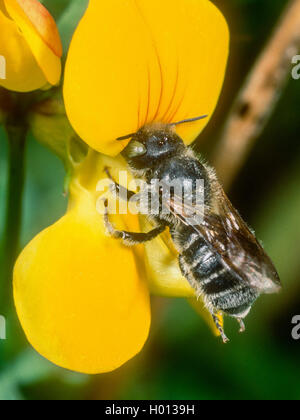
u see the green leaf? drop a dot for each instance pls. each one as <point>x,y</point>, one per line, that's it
<point>29,367</point>
<point>56,7</point>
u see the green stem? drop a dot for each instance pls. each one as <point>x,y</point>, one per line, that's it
<point>16,140</point>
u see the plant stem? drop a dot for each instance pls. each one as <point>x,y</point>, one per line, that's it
<point>16,139</point>
<point>259,96</point>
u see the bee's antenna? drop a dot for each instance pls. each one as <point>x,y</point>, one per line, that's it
<point>190,120</point>
<point>126,137</point>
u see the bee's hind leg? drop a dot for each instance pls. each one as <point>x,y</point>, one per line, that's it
<point>242,325</point>
<point>130,238</point>
<point>220,328</point>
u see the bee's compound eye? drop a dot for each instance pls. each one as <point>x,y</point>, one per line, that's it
<point>135,149</point>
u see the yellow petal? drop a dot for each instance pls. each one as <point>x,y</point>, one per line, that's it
<point>30,45</point>
<point>20,68</point>
<point>79,294</point>
<point>138,61</point>
<point>199,307</point>
<point>32,11</point>
<point>163,272</point>
<point>165,277</point>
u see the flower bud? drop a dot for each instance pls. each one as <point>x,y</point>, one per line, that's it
<point>30,46</point>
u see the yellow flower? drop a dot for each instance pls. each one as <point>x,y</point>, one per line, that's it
<point>140,61</point>
<point>30,46</point>
<point>80,295</point>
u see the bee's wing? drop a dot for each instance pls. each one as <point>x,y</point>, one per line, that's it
<point>227,234</point>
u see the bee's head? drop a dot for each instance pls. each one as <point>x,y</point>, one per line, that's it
<point>152,145</point>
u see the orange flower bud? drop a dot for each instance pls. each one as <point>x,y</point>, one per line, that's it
<point>30,46</point>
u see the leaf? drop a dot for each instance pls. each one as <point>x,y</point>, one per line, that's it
<point>56,7</point>
<point>28,368</point>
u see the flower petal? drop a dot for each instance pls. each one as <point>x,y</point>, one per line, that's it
<point>79,293</point>
<point>166,279</point>
<point>34,12</point>
<point>163,272</point>
<point>138,61</point>
<point>22,72</point>
<point>199,307</point>
<point>41,34</point>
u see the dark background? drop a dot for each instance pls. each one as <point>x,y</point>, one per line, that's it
<point>182,360</point>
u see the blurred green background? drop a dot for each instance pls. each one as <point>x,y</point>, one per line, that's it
<point>182,360</point>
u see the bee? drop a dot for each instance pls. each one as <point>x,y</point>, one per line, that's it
<point>219,255</point>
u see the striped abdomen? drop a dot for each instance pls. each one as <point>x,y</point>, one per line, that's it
<point>221,288</point>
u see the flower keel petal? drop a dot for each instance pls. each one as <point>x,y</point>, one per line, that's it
<point>79,294</point>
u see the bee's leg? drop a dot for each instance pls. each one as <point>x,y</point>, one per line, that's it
<point>220,328</point>
<point>122,192</point>
<point>242,325</point>
<point>131,238</point>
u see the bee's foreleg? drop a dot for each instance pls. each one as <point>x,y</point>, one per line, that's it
<point>130,238</point>
<point>220,328</point>
<point>122,192</point>
<point>242,325</point>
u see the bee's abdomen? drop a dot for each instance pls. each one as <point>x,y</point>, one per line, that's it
<point>220,287</point>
